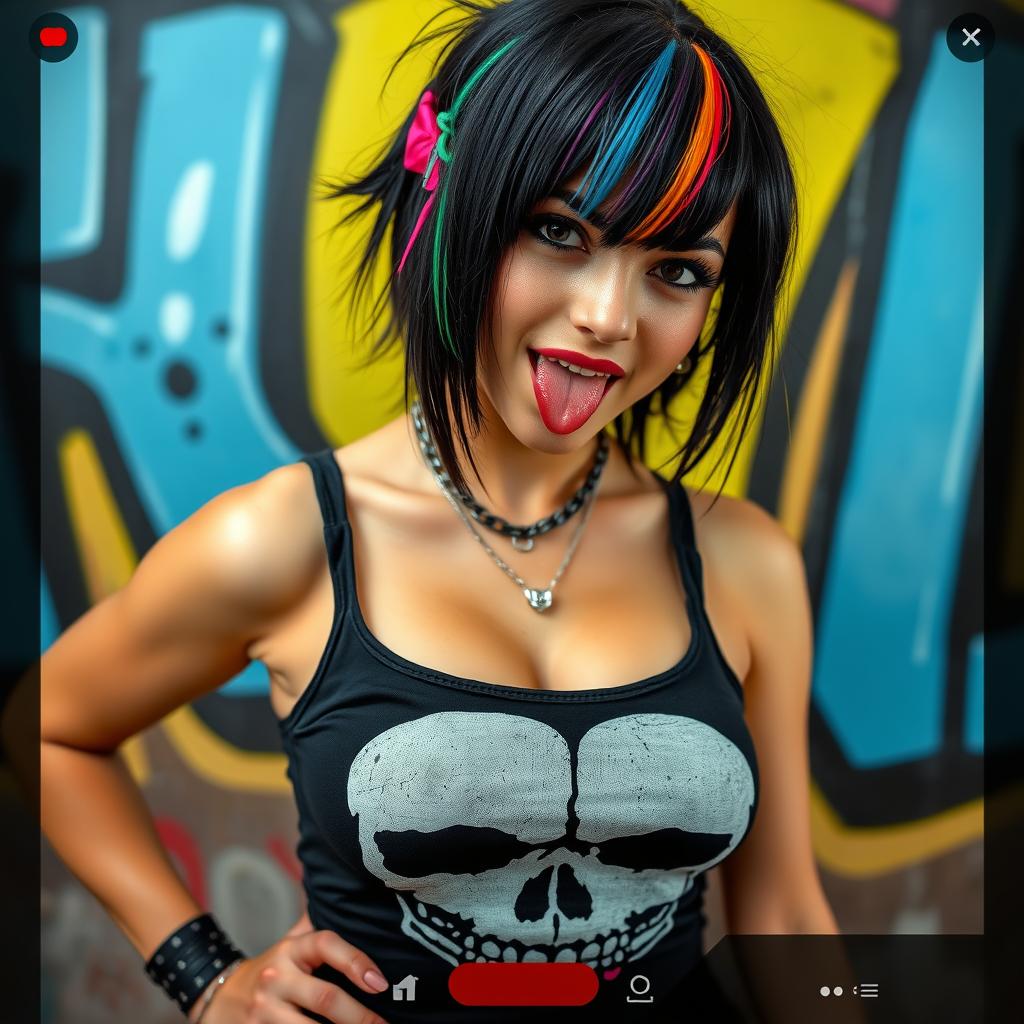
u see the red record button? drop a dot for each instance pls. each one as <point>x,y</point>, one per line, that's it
<point>523,984</point>
<point>53,36</point>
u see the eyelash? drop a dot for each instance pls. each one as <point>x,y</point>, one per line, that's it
<point>704,274</point>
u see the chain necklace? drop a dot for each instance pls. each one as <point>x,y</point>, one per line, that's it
<point>521,536</point>
<point>539,600</point>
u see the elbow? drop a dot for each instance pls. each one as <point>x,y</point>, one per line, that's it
<point>812,916</point>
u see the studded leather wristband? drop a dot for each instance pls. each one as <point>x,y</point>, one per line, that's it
<point>190,959</point>
<point>215,986</point>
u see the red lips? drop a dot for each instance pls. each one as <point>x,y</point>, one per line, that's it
<point>579,359</point>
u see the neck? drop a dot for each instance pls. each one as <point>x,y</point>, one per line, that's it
<point>514,481</point>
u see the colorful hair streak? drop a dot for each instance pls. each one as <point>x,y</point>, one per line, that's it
<point>704,147</point>
<point>583,131</point>
<point>607,166</point>
<point>675,103</point>
<point>439,269</point>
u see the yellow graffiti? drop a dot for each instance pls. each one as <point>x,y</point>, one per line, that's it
<point>104,545</point>
<point>346,400</point>
<point>133,751</point>
<point>866,852</point>
<point>221,763</point>
<point>810,425</point>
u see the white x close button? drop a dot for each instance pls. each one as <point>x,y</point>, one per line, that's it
<point>970,38</point>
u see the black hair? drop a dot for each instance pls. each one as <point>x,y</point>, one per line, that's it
<point>512,135</point>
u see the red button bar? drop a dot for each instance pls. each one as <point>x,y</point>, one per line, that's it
<point>53,36</point>
<point>523,984</point>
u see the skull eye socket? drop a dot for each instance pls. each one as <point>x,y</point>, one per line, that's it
<point>458,850</point>
<point>668,849</point>
<point>465,849</point>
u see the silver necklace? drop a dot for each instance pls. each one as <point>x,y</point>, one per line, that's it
<point>521,536</point>
<point>539,600</point>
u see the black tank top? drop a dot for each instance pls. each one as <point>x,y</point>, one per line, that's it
<point>446,821</point>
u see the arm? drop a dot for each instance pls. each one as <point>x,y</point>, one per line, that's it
<point>182,626</point>
<point>770,884</point>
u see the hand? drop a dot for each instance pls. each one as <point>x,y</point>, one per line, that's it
<point>269,988</point>
<point>301,926</point>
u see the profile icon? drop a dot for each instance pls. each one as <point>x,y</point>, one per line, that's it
<point>640,986</point>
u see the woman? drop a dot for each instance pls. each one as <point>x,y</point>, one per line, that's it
<point>530,691</point>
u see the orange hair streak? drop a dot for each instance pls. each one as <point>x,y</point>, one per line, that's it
<point>705,146</point>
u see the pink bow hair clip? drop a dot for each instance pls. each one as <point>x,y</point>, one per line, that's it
<point>425,144</point>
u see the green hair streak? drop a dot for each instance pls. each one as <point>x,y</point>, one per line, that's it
<point>439,268</point>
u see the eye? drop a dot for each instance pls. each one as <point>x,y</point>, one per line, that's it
<point>690,275</point>
<point>555,231</point>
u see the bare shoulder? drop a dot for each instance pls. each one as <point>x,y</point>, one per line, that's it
<point>722,523</point>
<point>747,549</point>
<point>187,618</point>
<point>262,540</point>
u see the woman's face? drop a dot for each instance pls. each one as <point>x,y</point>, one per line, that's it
<point>629,312</point>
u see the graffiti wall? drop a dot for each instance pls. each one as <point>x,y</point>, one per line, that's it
<point>194,338</point>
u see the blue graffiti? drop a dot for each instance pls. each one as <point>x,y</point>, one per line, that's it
<point>881,673</point>
<point>174,358</point>
<point>73,142</point>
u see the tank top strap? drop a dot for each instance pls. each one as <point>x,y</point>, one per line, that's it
<point>330,487</point>
<point>682,515</point>
<point>684,539</point>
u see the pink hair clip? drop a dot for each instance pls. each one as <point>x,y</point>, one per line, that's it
<point>423,145</point>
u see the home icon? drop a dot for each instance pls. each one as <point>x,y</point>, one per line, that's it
<point>405,989</point>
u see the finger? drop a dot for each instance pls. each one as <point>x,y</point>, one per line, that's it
<point>326,947</point>
<point>322,998</point>
<point>268,1008</point>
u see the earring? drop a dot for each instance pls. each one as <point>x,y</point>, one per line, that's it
<point>684,366</point>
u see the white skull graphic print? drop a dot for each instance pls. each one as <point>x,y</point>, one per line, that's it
<point>499,848</point>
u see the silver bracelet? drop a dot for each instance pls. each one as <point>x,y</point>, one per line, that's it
<point>215,987</point>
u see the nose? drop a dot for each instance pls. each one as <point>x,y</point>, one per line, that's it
<point>604,304</point>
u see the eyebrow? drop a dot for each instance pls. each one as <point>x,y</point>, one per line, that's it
<point>707,242</point>
<point>595,218</point>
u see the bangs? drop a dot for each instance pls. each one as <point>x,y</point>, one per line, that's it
<point>660,128</point>
<point>653,146</point>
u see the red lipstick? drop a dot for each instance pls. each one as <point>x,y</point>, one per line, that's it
<point>578,359</point>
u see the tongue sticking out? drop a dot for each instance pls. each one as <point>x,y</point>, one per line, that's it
<point>566,400</point>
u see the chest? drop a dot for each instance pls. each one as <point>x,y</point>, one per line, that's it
<point>621,611</point>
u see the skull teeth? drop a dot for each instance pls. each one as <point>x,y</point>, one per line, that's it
<point>601,952</point>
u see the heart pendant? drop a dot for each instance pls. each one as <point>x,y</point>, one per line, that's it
<point>522,543</point>
<point>539,599</point>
